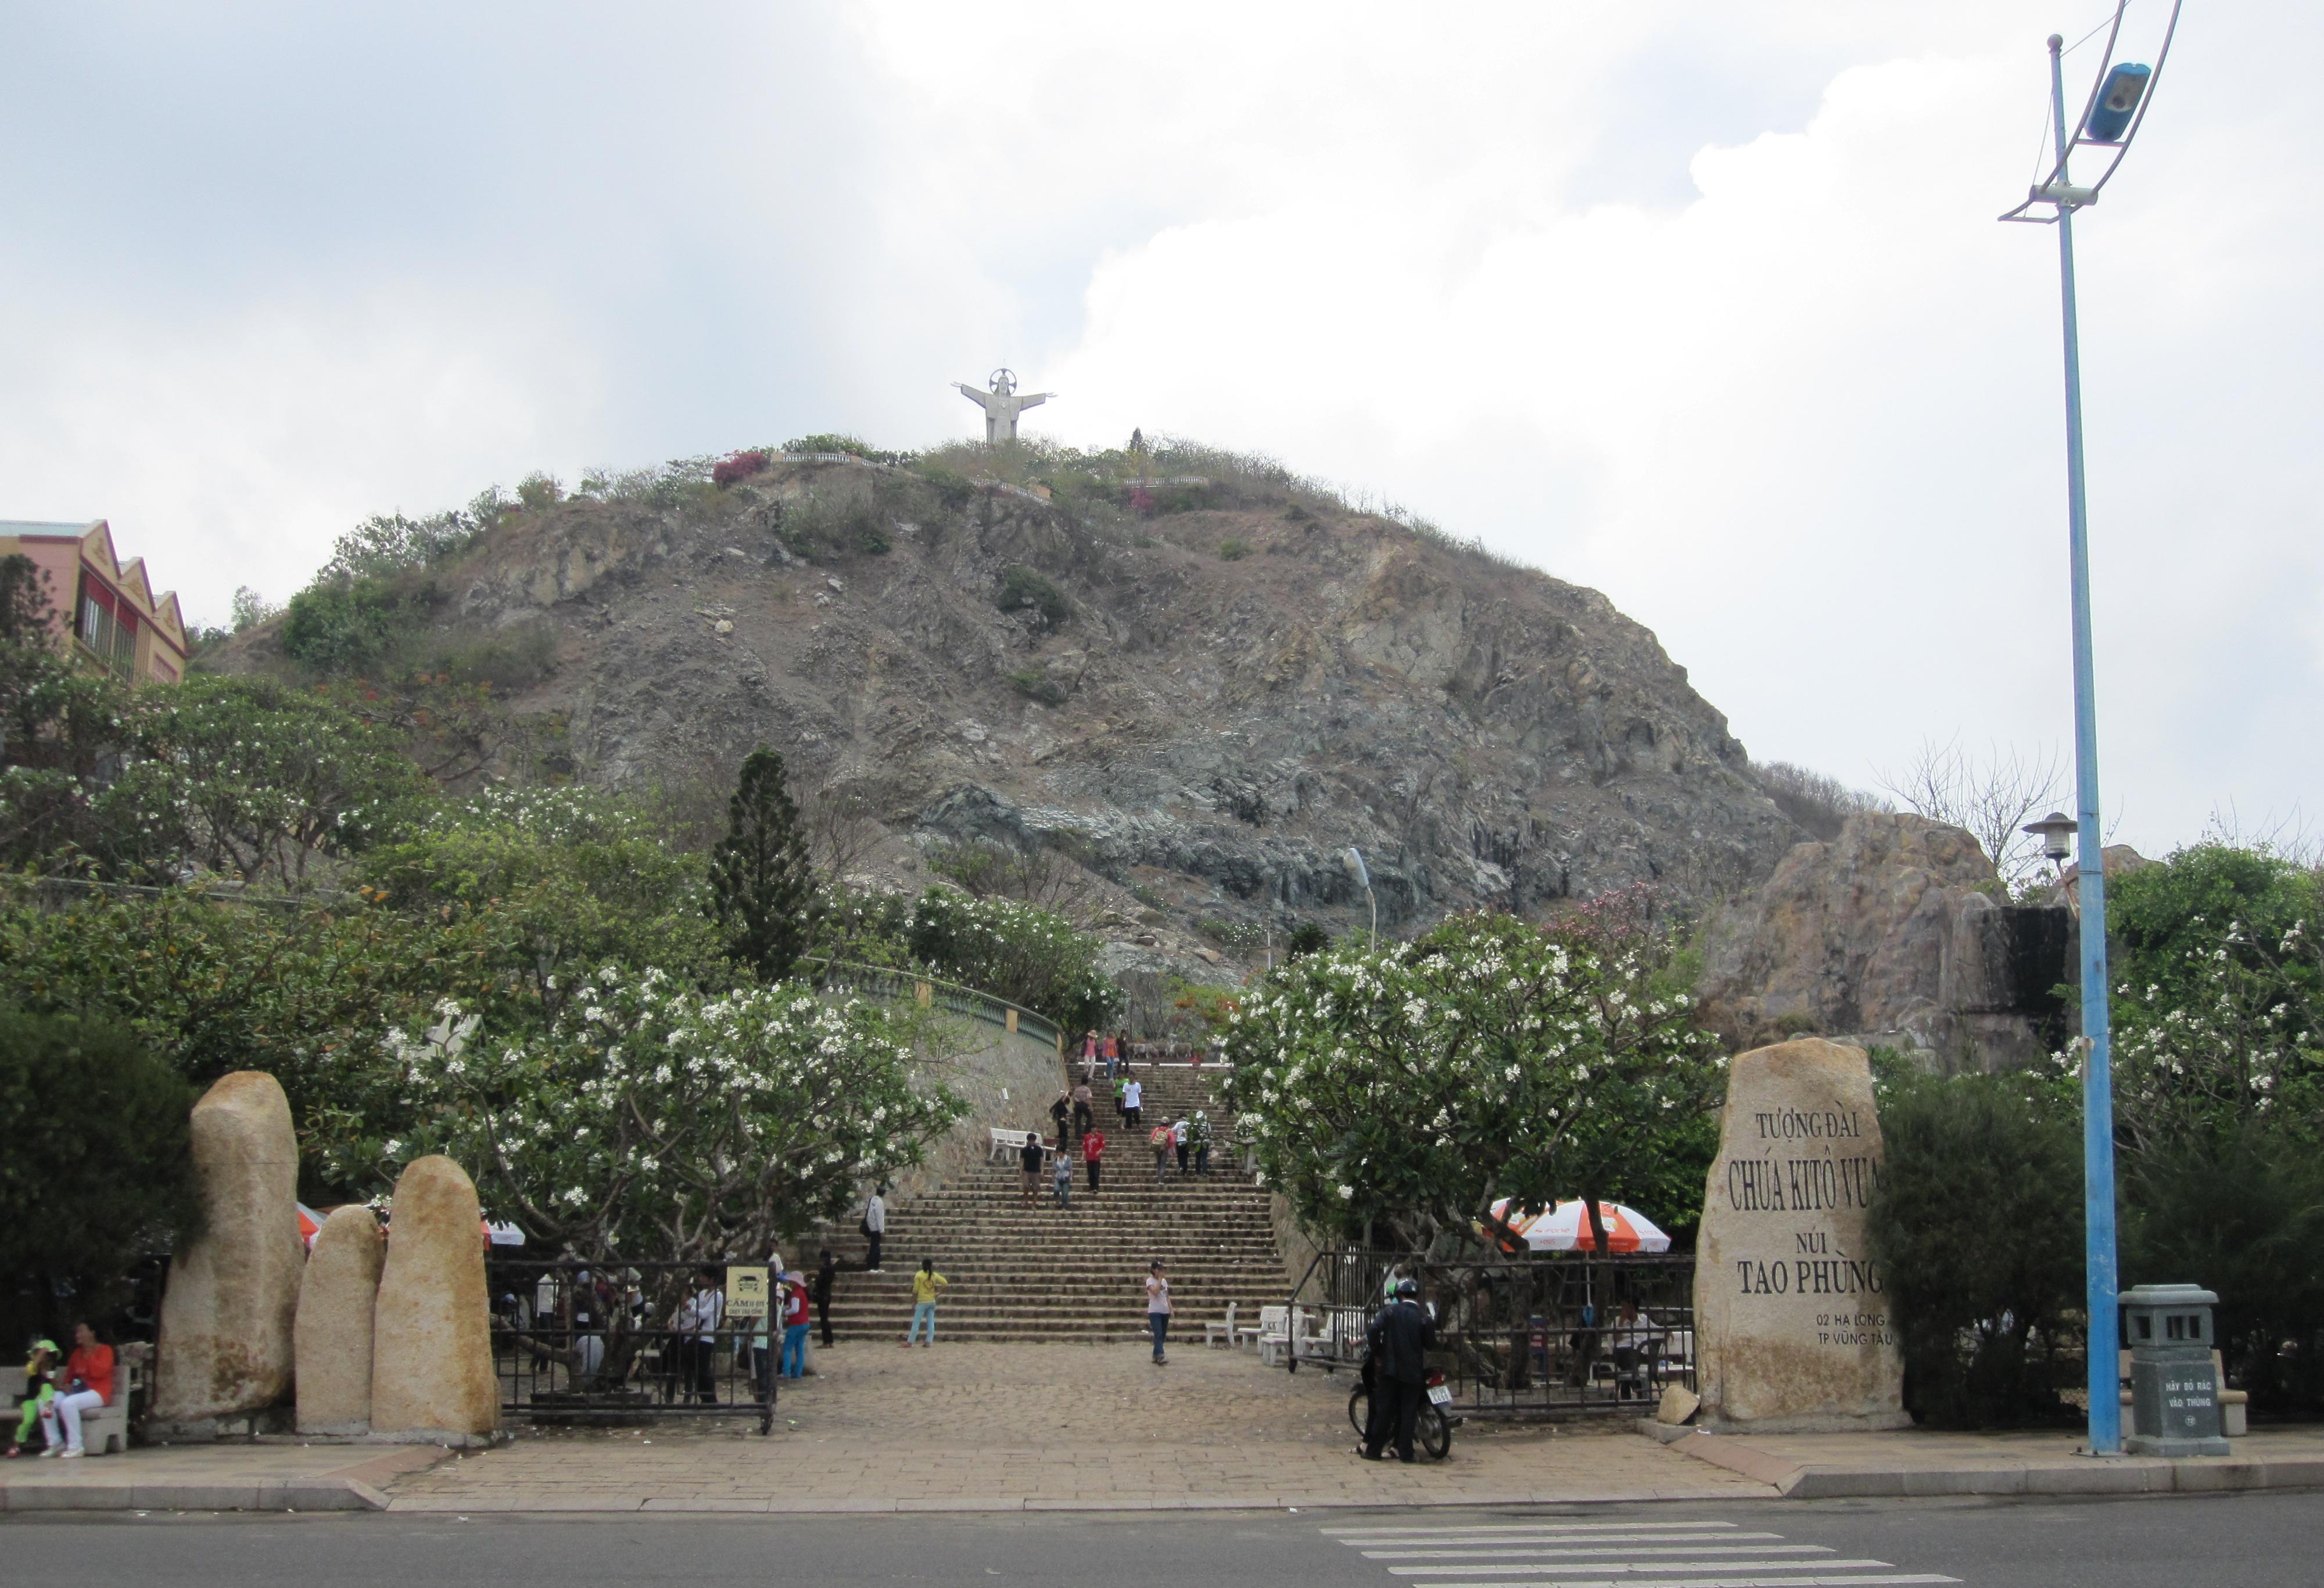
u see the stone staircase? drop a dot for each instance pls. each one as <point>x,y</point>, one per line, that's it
<point>1078,1274</point>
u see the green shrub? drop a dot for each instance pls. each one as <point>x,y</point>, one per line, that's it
<point>2242,1215</point>
<point>1233,551</point>
<point>852,445</point>
<point>1024,590</point>
<point>1305,938</point>
<point>824,524</point>
<point>1039,686</point>
<point>1977,1224</point>
<point>97,1172</point>
<point>351,626</point>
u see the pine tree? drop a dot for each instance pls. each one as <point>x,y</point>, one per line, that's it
<point>761,885</point>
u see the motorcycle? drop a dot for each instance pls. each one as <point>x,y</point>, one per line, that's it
<point>1434,1432</point>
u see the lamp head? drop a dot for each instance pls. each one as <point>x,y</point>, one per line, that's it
<point>2054,830</point>
<point>2117,101</point>
<point>1351,861</point>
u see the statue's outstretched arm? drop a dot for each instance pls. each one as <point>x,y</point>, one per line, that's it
<point>1036,401</point>
<point>982,399</point>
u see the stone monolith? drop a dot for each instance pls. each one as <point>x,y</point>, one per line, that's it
<point>336,1300</point>
<point>226,1312</point>
<point>431,1345</point>
<point>1792,1330</point>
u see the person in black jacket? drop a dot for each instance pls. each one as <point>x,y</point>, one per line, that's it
<point>825,1276</point>
<point>1400,1338</point>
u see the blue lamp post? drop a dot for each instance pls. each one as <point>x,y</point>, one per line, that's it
<point>2117,106</point>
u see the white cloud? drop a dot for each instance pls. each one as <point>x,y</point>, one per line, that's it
<point>1705,307</point>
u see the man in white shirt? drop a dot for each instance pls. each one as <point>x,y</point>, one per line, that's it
<point>1133,1098</point>
<point>875,1225</point>
<point>695,1325</point>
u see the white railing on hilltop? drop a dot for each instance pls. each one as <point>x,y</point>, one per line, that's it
<point>929,992</point>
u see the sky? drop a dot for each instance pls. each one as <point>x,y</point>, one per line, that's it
<point>1703,305</point>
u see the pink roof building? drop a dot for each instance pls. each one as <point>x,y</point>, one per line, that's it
<point>101,607</point>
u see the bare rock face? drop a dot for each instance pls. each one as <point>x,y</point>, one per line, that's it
<point>1792,1329</point>
<point>334,1332</point>
<point>431,1352</point>
<point>1210,732</point>
<point>1891,933</point>
<point>226,1317</point>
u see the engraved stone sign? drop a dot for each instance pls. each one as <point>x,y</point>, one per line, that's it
<point>1793,1329</point>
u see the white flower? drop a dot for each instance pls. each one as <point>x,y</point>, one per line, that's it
<point>1347,1193</point>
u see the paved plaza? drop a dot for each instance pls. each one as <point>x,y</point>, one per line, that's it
<point>978,1427</point>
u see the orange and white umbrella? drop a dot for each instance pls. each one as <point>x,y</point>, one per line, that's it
<point>1566,1227</point>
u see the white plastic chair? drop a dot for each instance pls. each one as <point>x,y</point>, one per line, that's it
<point>1212,1331</point>
<point>1274,1334</point>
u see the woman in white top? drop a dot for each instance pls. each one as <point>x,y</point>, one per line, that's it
<point>1157,1308</point>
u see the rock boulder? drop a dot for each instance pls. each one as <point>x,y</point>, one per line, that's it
<point>432,1374</point>
<point>1890,933</point>
<point>225,1347</point>
<point>333,1333</point>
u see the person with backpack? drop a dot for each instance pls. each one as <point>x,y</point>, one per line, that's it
<point>1093,1149</point>
<point>1159,1139</point>
<point>1201,1138</point>
<point>1180,1134</point>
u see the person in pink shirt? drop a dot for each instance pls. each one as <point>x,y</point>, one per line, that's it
<point>85,1385</point>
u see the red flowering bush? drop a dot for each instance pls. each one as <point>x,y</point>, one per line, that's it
<point>739,466</point>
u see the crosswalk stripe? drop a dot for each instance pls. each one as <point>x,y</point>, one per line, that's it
<point>1455,1544</point>
<point>1664,1567</point>
<point>1548,1525</point>
<point>1596,1543</point>
<point>1836,1580</point>
<point>1526,1556</point>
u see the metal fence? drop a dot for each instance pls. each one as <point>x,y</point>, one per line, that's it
<point>1534,1335</point>
<point>582,1344</point>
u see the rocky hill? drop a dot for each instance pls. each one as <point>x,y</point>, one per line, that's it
<point>1188,696</point>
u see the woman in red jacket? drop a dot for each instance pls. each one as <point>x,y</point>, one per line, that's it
<point>87,1384</point>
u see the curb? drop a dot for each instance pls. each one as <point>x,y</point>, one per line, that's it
<point>358,1486</point>
<point>2127,1475</point>
<point>470,1505</point>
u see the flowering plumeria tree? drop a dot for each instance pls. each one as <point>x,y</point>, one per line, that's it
<point>653,1121</point>
<point>1414,1086</point>
<point>2229,1041</point>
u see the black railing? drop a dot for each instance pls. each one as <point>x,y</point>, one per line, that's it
<point>582,1344</point>
<point>1534,1335</point>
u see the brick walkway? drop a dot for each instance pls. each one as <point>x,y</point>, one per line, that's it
<point>985,1427</point>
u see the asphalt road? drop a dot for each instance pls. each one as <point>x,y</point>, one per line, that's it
<point>2261,1541</point>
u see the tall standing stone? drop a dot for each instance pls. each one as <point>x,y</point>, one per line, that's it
<point>1792,1328</point>
<point>334,1332</point>
<point>431,1346</point>
<point>226,1314</point>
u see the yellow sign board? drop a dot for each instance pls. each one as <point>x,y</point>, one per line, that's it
<point>747,1291</point>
